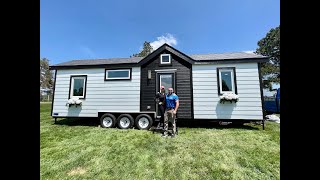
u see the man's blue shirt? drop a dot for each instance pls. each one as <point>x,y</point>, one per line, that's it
<point>171,100</point>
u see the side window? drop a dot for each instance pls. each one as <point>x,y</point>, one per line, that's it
<point>117,74</point>
<point>226,80</point>
<point>78,86</point>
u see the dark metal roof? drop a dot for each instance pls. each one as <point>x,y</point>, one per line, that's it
<point>195,58</point>
<point>223,56</point>
<point>101,61</point>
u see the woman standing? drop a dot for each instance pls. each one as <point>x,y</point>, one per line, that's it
<point>161,101</point>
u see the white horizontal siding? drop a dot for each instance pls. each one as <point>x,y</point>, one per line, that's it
<point>94,110</point>
<point>200,85</point>
<point>97,82</point>
<point>134,77</point>
<point>202,102</point>
<point>244,82</point>
<point>104,97</point>
<point>240,70</point>
<point>231,112</point>
<point>206,99</point>
<point>230,116</point>
<point>100,85</point>
<point>101,95</point>
<point>238,66</point>
<point>103,107</point>
<point>134,88</point>
<point>91,71</point>
<point>114,100</point>
<point>227,107</point>
<point>215,95</point>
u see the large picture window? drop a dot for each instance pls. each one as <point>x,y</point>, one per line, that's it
<point>78,86</point>
<point>227,80</point>
<point>118,74</point>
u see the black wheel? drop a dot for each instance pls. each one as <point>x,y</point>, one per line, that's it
<point>125,121</point>
<point>143,122</point>
<point>107,120</point>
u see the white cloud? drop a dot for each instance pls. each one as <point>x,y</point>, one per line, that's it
<point>88,52</point>
<point>250,51</point>
<point>167,38</point>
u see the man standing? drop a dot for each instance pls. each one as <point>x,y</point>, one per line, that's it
<point>172,105</point>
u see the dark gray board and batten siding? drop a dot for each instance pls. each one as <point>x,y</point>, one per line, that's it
<point>182,82</point>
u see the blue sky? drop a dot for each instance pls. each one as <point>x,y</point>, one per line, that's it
<point>89,29</point>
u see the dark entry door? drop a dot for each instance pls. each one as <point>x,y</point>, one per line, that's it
<point>167,80</point>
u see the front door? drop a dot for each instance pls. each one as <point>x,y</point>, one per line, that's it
<point>167,80</point>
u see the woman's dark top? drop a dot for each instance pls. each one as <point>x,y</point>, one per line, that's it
<point>161,98</point>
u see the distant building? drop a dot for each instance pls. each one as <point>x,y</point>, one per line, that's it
<point>267,92</point>
<point>45,92</point>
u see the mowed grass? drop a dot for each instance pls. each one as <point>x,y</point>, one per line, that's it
<point>79,149</point>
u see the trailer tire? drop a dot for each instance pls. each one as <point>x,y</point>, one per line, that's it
<point>143,122</point>
<point>125,121</point>
<point>107,120</point>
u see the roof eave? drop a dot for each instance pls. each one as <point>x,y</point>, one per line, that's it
<point>54,67</point>
<point>230,61</point>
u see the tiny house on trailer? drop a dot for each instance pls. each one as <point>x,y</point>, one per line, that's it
<point>121,91</point>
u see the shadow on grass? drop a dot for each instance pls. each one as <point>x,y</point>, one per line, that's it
<point>216,125</point>
<point>94,122</point>
<point>209,125</point>
<point>78,121</point>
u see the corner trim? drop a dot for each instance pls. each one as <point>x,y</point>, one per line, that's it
<point>140,103</point>
<point>54,89</point>
<point>261,91</point>
<point>191,91</point>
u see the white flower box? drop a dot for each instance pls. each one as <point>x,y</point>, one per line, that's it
<point>74,101</point>
<point>229,97</point>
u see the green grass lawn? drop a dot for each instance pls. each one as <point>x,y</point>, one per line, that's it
<point>79,149</point>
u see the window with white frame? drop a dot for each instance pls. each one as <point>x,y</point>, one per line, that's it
<point>165,59</point>
<point>78,86</point>
<point>227,80</point>
<point>118,74</point>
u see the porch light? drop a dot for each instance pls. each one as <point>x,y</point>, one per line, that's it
<point>149,74</point>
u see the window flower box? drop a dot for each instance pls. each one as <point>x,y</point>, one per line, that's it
<point>75,101</point>
<point>229,97</point>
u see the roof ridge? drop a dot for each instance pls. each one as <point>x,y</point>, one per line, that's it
<point>143,57</point>
<point>105,58</point>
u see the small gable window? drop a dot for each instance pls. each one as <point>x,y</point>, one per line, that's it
<point>165,59</point>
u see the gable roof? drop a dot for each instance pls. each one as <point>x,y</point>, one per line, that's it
<point>214,58</point>
<point>169,48</point>
<point>224,56</point>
